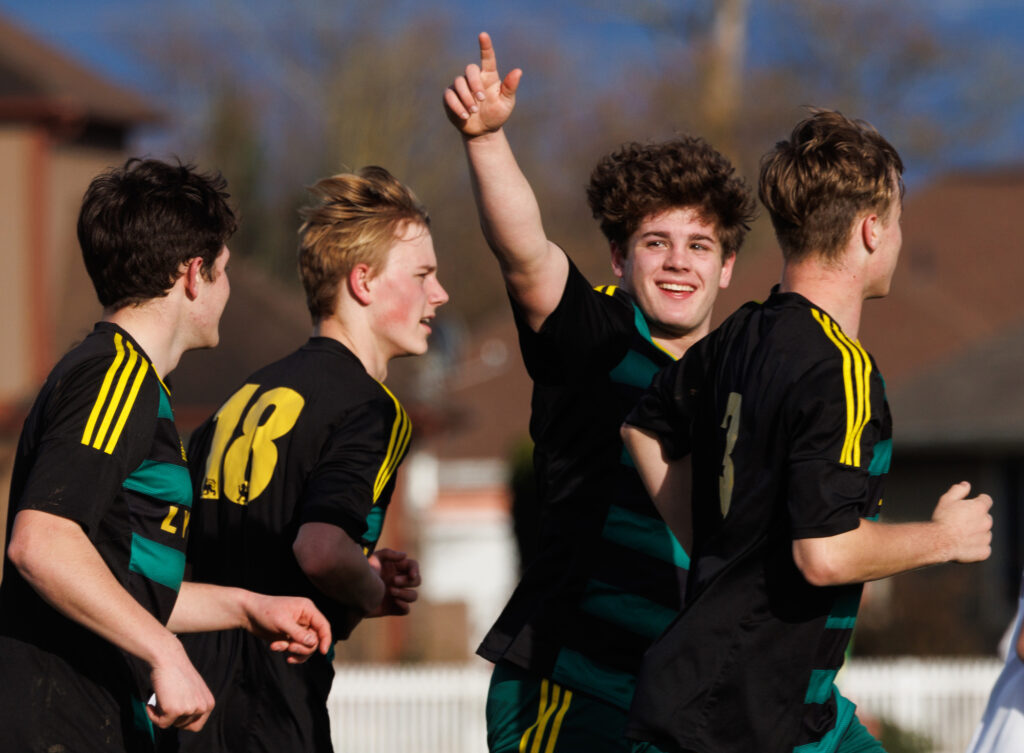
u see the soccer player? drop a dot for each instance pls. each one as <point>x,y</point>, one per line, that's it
<point>295,470</point>
<point>609,575</point>
<point>93,592</point>
<point>783,416</point>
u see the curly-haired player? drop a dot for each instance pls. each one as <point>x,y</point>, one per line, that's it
<point>609,575</point>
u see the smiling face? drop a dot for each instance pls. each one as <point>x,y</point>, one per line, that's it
<point>407,294</point>
<point>674,268</point>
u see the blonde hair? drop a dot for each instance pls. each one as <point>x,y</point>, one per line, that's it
<point>354,219</point>
<point>815,184</point>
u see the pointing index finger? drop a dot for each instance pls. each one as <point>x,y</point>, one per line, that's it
<point>488,62</point>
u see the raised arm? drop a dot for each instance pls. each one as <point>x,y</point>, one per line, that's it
<point>960,531</point>
<point>668,482</point>
<point>479,103</point>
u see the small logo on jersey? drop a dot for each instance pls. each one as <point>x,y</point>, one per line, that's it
<point>209,487</point>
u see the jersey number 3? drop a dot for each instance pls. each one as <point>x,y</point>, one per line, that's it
<point>731,424</point>
<point>242,466</point>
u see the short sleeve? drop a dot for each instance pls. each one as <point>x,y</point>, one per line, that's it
<point>356,465</point>
<point>666,407</point>
<point>588,332</point>
<point>97,425</point>
<point>828,479</point>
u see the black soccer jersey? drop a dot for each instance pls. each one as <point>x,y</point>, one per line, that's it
<point>310,438</point>
<point>99,447</point>
<point>790,434</point>
<point>609,575</point>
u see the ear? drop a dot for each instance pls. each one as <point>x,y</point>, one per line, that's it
<point>870,230</point>
<point>193,277</point>
<point>359,283</point>
<point>618,259</point>
<point>727,265</point>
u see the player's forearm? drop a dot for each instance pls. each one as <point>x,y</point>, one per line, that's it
<point>667,483</point>
<point>358,588</point>
<point>509,213</point>
<point>337,566</point>
<point>872,551</point>
<point>201,607</point>
<point>534,268</point>
<point>57,559</point>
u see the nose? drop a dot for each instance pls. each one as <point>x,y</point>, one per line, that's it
<point>438,296</point>
<point>678,258</point>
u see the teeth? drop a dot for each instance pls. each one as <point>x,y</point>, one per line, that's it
<point>672,287</point>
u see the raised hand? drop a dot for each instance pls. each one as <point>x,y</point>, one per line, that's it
<point>967,522</point>
<point>401,577</point>
<point>480,101</point>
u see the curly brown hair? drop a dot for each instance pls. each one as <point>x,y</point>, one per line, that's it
<point>815,184</point>
<point>354,219</point>
<point>640,180</point>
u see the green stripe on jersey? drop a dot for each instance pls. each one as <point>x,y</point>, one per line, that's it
<point>881,458</point>
<point>374,524</point>
<point>141,720</point>
<point>844,612</point>
<point>164,410</point>
<point>648,535</point>
<point>626,459</point>
<point>164,481</point>
<point>641,324</point>
<point>820,686</point>
<point>159,563</point>
<point>576,671</point>
<point>635,370</point>
<point>631,611</point>
<point>830,742</point>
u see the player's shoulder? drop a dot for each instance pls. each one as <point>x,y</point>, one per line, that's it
<point>110,362</point>
<point>811,342</point>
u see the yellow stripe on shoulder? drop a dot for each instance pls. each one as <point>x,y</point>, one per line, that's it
<point>854,383</point>
<point>401,431</point>
<point>862,374</point>
<point>101,399</point>
<point>606,289</point>
<point>108,415</point>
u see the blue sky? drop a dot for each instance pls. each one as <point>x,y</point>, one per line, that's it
<point>100,32</point>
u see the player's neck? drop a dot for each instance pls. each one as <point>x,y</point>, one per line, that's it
<point>157,335</point>
<point>359,340</point>
<point>831,287</point>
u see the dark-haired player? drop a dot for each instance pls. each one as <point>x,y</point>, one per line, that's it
<point>93,591</point>
<point>784,415</point>
<point>609,575</point>
<point>295,470</point>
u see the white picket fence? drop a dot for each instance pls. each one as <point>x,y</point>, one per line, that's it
<point>440,709</point>
<point>940,699</point>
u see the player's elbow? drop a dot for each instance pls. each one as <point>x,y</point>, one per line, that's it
<point>818,563</point>
<point>28,549</point>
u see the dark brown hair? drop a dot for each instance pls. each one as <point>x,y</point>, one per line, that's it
<point>639,180</point>
<point>141,222</point>
<point>815,184</point>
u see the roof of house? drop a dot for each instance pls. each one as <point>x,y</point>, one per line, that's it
<point>37,81</point>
